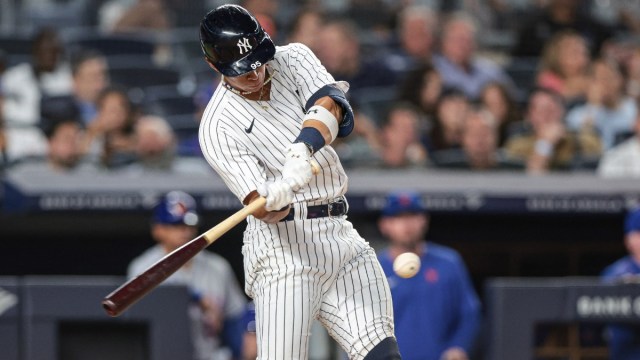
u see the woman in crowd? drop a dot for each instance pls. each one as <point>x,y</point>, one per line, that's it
<point>564,66</point>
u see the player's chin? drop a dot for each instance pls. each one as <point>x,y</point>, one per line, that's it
<point>253,87</point>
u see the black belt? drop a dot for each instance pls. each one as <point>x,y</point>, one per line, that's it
<point>337,207</point>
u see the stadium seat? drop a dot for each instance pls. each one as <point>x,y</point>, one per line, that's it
<point>144,76</point>
<point>16,47</point>
<point>110,45</point>
<point>523,71</point>
<point>166,101</point>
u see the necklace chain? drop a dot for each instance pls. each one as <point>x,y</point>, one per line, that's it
<point>242,93</point>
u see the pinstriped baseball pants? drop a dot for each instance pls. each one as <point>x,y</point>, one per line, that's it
<point>301,270</point>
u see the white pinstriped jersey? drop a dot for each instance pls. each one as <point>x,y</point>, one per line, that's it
<point>246,159</point>
<point>303,269</point>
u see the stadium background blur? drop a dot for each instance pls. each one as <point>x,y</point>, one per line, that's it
<point>515,196</point>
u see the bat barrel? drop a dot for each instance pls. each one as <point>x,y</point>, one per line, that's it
<point>133,290</point>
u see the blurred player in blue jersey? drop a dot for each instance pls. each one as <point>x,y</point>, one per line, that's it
<point>437,312</point>
<point>624,339</point>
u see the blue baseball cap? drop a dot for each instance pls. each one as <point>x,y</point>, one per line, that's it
<point>176,208</point>
<point>403,202</point>
<point>632,221</point>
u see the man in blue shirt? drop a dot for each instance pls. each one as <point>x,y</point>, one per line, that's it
<point>437,312</point>
<point>624,339</point>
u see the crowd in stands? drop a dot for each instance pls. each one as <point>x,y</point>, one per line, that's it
<point>517,85</point>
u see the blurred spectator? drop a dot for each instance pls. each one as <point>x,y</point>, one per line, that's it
<point>110,135</point>
<point>437,311</point>
<point>458,63</point>
<point>265,11</point>
<point>155,150</point>
<point>3,139</point>
<point>623,160</point>
<point>155,144</point>
<point>446,130</point>
<point>422,87</point>
<point>632,71</point>
<point>217,301</point>
<point>564,65</point>
<point>417,32</point>
<point>558,15</point>
<point>373,17</point>
<point>479,145</point>
<point>154,18</point>
<point>90,78</point>
<point>363,147</point>
<point>339,51</point>
<point>25,84</point>
<point>62,131</point>
<point>23,143</point>
<point>306,28</point>
<point>134,15</point>
<point>498,101</point>
<point>545,144</point>
<point>623,16</point>
<point>401,146</point>
<point>607,111</point>
<point>623,338</point>
<point>249,341</point>
<point>64,134</point>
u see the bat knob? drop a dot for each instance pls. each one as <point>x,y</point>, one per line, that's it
<point>110,307</point>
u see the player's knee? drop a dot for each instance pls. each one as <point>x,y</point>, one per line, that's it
<point>386,349</point>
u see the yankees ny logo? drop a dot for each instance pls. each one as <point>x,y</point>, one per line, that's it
<point>243,45</point>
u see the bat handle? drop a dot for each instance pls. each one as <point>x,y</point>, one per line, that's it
<point>315,168</point>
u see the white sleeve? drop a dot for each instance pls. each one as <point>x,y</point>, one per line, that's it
<point>21,98</point>
<point>310,75</point>
<point>237,166</point>
<point>612,165</point>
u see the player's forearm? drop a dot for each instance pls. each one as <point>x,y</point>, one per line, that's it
<point>335,109</point>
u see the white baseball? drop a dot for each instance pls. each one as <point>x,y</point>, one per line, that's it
<point>406,265</point>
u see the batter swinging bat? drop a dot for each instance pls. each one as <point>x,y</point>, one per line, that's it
<point>133,290</point>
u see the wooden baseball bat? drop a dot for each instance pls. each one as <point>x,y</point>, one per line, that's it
<point>133,290</point>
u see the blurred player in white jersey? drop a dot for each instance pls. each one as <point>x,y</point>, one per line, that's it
<point>218,305</point>
<point>275,111</point>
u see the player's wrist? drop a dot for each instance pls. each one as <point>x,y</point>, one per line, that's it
<point>312,138</point>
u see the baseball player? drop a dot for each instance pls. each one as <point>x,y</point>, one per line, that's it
<point>218,302</point>
<point>437,311</point>
<point>275,110</point>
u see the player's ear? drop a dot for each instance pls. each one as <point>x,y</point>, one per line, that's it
<point>383,225</point>
<point>156,232</point>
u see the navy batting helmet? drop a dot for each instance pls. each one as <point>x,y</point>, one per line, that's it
<point>233,40</point>
<point>175,208</point>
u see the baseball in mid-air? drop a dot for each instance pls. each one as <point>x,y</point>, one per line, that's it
<point>406,265</point>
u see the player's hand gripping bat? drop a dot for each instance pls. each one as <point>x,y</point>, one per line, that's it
<point>133,290</point>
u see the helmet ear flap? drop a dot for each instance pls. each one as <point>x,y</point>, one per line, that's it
<point>211,64</point>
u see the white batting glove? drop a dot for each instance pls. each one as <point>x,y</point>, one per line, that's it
<point>297,166</point>
<point>278,194</point>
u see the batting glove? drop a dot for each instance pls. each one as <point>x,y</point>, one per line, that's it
<point>297,166</point>
<point>278,194</point>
